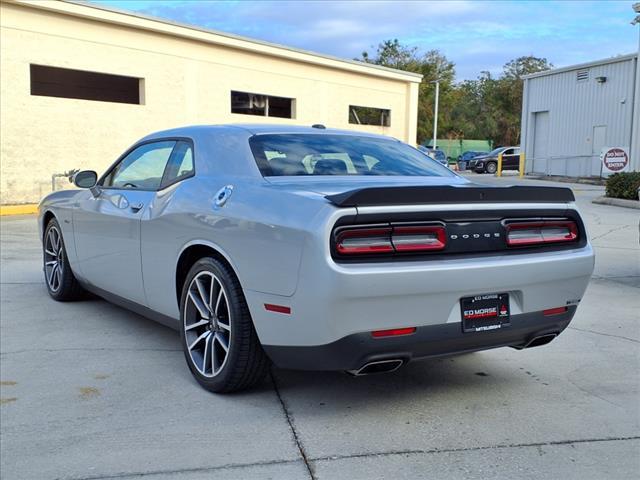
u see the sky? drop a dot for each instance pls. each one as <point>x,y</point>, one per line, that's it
<point>476,35</point>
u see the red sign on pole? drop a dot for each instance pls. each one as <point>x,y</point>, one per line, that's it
<point>615,159</point>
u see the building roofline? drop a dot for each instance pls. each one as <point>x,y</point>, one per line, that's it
<point>104,14</point>
<point>595,63</point>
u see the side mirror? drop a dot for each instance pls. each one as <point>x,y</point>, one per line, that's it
<point>85,179</point>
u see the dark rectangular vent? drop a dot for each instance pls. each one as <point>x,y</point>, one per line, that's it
<point>247,103</point>
<point>582,75</point>
<point>369,116</point>
<point>79,84</point>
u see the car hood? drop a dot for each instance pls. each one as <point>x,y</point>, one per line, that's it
<point>484,157</point>
<point>331,185</point>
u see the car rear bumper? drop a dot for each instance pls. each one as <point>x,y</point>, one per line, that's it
<point>354,351</point>
<point>334,301</point>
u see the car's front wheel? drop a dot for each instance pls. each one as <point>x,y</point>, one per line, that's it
<point>219,341</point>
<point>491,167</point>
<point>58,276</point>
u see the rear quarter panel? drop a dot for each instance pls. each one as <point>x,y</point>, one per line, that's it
<point>261,231</point>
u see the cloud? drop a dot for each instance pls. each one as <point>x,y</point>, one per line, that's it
<point>475,35</point>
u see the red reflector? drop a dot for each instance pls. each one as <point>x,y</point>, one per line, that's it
<point>393,332</point>
<point>364,240</point>
<point>415,239</point>
<point>541,232</point>
<point>277,308</point>
<point>555,311</point>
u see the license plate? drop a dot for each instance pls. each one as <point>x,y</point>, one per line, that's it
<point>485,312</point>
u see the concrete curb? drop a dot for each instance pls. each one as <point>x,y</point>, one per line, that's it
<point>556,178</point>
<point>27,209</point>
<point>618,202</point>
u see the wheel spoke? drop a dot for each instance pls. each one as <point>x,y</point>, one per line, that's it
<point>50,252</point>
<point>196,325</point>
<point>55,239</point>
<point>50,263</point>
<point>225,326</point>
<point>58,275</point>
<point>199,339</point>
<point>52,272</point>
<point>214,357</point>
<point>203,294</point>
<point>224,343</point>
<point>198,304</point>
<point>220,295</point>
<point>206,354</point>
<point>210,302</point>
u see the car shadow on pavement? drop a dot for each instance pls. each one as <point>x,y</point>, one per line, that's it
<point>467,374</point>
<point>472,372</point>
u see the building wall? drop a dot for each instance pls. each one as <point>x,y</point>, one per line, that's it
<point>635,134</point>
<point>574,109</point>
<point>186,81</point>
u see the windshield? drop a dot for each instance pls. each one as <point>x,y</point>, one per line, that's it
<point>496,151</point>
<point>314,154</point>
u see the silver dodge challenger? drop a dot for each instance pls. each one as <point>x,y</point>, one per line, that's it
<point>314,249</point>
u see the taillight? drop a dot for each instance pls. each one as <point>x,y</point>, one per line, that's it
<point>364,240</point>
<point>416,239</point>
<point>380,240</point>
<point>522,234</point>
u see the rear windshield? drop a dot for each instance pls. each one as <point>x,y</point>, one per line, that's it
<point>319,154</point>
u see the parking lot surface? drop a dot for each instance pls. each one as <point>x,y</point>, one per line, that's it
<point>92,391</point>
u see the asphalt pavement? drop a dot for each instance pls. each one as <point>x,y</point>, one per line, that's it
<point>91,391</point>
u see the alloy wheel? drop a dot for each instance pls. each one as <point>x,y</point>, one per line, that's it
<point>53,259</point>
<point>207,324</point>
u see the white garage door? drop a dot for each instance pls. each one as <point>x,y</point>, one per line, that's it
<point>540,142</point>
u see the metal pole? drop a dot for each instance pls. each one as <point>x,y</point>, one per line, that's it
<point>435,116</point>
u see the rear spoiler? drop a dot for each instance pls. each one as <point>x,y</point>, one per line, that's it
<point>422,195</point>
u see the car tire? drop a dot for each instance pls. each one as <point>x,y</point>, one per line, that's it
<point>491,167</point>
<point>220,343</point>
<point>59,279</point>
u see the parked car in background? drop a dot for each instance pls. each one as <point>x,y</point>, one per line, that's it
<point>466,156</point>
<point>489,163</point>
<point>453,148</point>
<point>314,249</point>
<point>437,155</point>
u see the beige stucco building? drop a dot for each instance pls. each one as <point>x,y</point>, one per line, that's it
<point>80,83</point>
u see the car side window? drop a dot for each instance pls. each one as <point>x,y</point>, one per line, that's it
<point>180,164</point>
<point>142,168</point>
<point>508,151</point>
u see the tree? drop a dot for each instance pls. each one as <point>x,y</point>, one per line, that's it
<point>521,66</point>
<point>486,108</point>
<point>431,65</point>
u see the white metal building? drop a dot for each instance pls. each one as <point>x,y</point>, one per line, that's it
<point>570,114</point>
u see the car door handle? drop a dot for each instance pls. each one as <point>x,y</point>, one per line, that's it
<point>136,207</point>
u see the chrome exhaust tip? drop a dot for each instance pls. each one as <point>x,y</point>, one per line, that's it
<point>541,340</point>
<point>380,366</point>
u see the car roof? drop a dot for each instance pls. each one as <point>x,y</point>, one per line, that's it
<point>250,129</point>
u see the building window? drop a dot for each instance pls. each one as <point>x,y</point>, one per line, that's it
<point>262,105</point>
<point>582,76</point>
<point>369,116</point>
<point>83,85</point>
